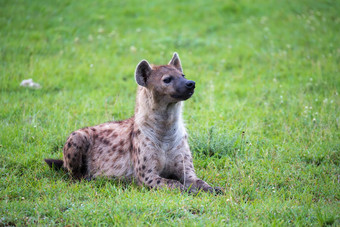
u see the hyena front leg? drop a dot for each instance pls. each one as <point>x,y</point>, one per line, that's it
<point>152,179</point>
<point>195,184</point>
<point>185,167</point>
<point>156,181</point>
<point>146,173</point>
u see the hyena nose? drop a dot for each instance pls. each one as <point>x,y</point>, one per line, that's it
<point>190,84</point>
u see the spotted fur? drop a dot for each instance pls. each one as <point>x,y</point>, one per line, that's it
<point>151,147</point>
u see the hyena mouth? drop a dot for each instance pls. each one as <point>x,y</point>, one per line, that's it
<point>184,96</point>
<point>184,89</point>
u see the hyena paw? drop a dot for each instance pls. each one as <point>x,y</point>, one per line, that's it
<point>215,190</point>
<point>219,191</point>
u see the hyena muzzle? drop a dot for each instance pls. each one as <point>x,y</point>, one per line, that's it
<point>151,147</point>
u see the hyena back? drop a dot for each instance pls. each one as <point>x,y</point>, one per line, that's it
<point>151,147</point>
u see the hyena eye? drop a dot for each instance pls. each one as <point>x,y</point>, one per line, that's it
<point>183,75</point>
<point>167,80</point>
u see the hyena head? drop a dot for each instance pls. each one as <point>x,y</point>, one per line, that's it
<point>166,82</point>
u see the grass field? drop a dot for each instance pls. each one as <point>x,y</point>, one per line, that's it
<point>263,123</point>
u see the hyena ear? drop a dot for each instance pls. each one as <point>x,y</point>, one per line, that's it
<point>176,62</point>
<point>142,72</point>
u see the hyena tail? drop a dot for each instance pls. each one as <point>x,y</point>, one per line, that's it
<point>55,164</point>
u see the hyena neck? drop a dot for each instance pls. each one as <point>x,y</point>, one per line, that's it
<point>164,121</point>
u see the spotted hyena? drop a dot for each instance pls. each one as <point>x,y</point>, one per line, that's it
<point>151,147</point>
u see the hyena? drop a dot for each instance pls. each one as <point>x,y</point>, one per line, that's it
<point>151,147</point>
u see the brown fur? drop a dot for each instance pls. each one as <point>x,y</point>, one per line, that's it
<point>151,147</point>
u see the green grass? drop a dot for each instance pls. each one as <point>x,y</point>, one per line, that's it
<point>263,123</point>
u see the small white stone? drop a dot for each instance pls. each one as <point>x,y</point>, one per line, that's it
<point>133,49</point>
<point>100,30</point>
<point>29,83</point>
